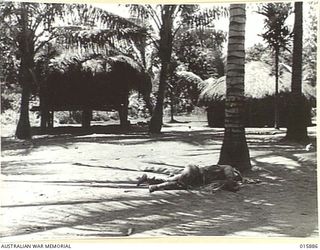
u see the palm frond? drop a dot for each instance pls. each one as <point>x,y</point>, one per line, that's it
<point>146,12</point>
<point>127,61</point>
<point>118,41</point>
<point>199,19</point>
<point>94,16</point>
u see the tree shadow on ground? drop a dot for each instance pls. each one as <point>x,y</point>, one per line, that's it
<point>64,136</point>
<point>181,213</point>
<point>197,138</point>
<point>170,213</point>
<point>283,204</point>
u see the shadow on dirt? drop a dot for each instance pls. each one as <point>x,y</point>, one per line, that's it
<point>137,135</point>
<point>193,212</point>
<point>177,213</point>
<point>285,197</point>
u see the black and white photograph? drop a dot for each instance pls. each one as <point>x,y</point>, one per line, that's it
<point>147,120</point>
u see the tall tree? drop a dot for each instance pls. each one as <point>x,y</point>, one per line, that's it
<point>31,26</point>
<point>278,37</point>
<point>297,124</point>
<point>167,20</point>
<point>26,48</point>
<point>234,149</point>
<point>310,43</point>
<point>165,51</point>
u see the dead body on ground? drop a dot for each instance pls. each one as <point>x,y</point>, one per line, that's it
<point>193,176</point>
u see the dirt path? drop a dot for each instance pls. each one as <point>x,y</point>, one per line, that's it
<point>82,186</point>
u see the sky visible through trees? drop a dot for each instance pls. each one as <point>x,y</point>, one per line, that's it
<point>254,23</point>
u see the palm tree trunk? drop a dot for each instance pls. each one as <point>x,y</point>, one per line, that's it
<point>165,51</point>
<point>276,95</point>
<point>234,149</point>
<point>26,48</point>
<point>297,123</point>
<point>157,117</point>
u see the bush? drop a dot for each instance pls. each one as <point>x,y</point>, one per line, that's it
<point>10,99</point>
<point>75,117</point>
<point>100,116</point>
<point>68,117</point>
<point>137,107</point>
<point>9,117</point>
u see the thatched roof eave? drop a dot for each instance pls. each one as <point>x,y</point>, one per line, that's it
<point>187,77</point>
<point>259,83</point>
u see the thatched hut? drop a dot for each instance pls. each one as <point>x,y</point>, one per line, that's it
<point>91,83</point>
<point>259,96</point>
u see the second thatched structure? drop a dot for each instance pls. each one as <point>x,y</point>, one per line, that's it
<point>259,96</point>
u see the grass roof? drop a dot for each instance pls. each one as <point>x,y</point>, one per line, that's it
<point>189,78</point>
<point>259,83</point>
<point>94,63</point>
<point>75,69</point>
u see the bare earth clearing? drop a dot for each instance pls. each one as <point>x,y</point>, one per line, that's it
<point>84,185</point>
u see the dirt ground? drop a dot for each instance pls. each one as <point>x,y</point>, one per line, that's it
<point>78,185</point>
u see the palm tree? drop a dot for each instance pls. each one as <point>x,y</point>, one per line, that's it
<point>278,38</point>
<point>165,51</point>
<point>297,124</point>
<point>167,20</point>
<point>31,26</point>
<point>234,149</point>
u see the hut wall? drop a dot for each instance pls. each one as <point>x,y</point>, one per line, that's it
<point>215,114</point>
<point>258,112</point>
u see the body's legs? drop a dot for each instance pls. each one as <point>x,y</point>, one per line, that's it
<point>168,185</point>
<point>153,180</point>
<point>188,177</point>
<point>175,177</point>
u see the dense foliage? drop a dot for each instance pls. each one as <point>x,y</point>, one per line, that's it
<point>200,51</point>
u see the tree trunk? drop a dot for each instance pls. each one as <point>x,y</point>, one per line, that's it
<point>157,116</point>
<point>276,94</point>
<point>44,119</point>
<point>148,102</point>
<point>171,107</point>
<point>297,122</point>
<point>26,49</point>
<point>86,118</point>
<point>234,149</point>
<point>44,112</point>
<point>23,130</point>
<point>165,51</point>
